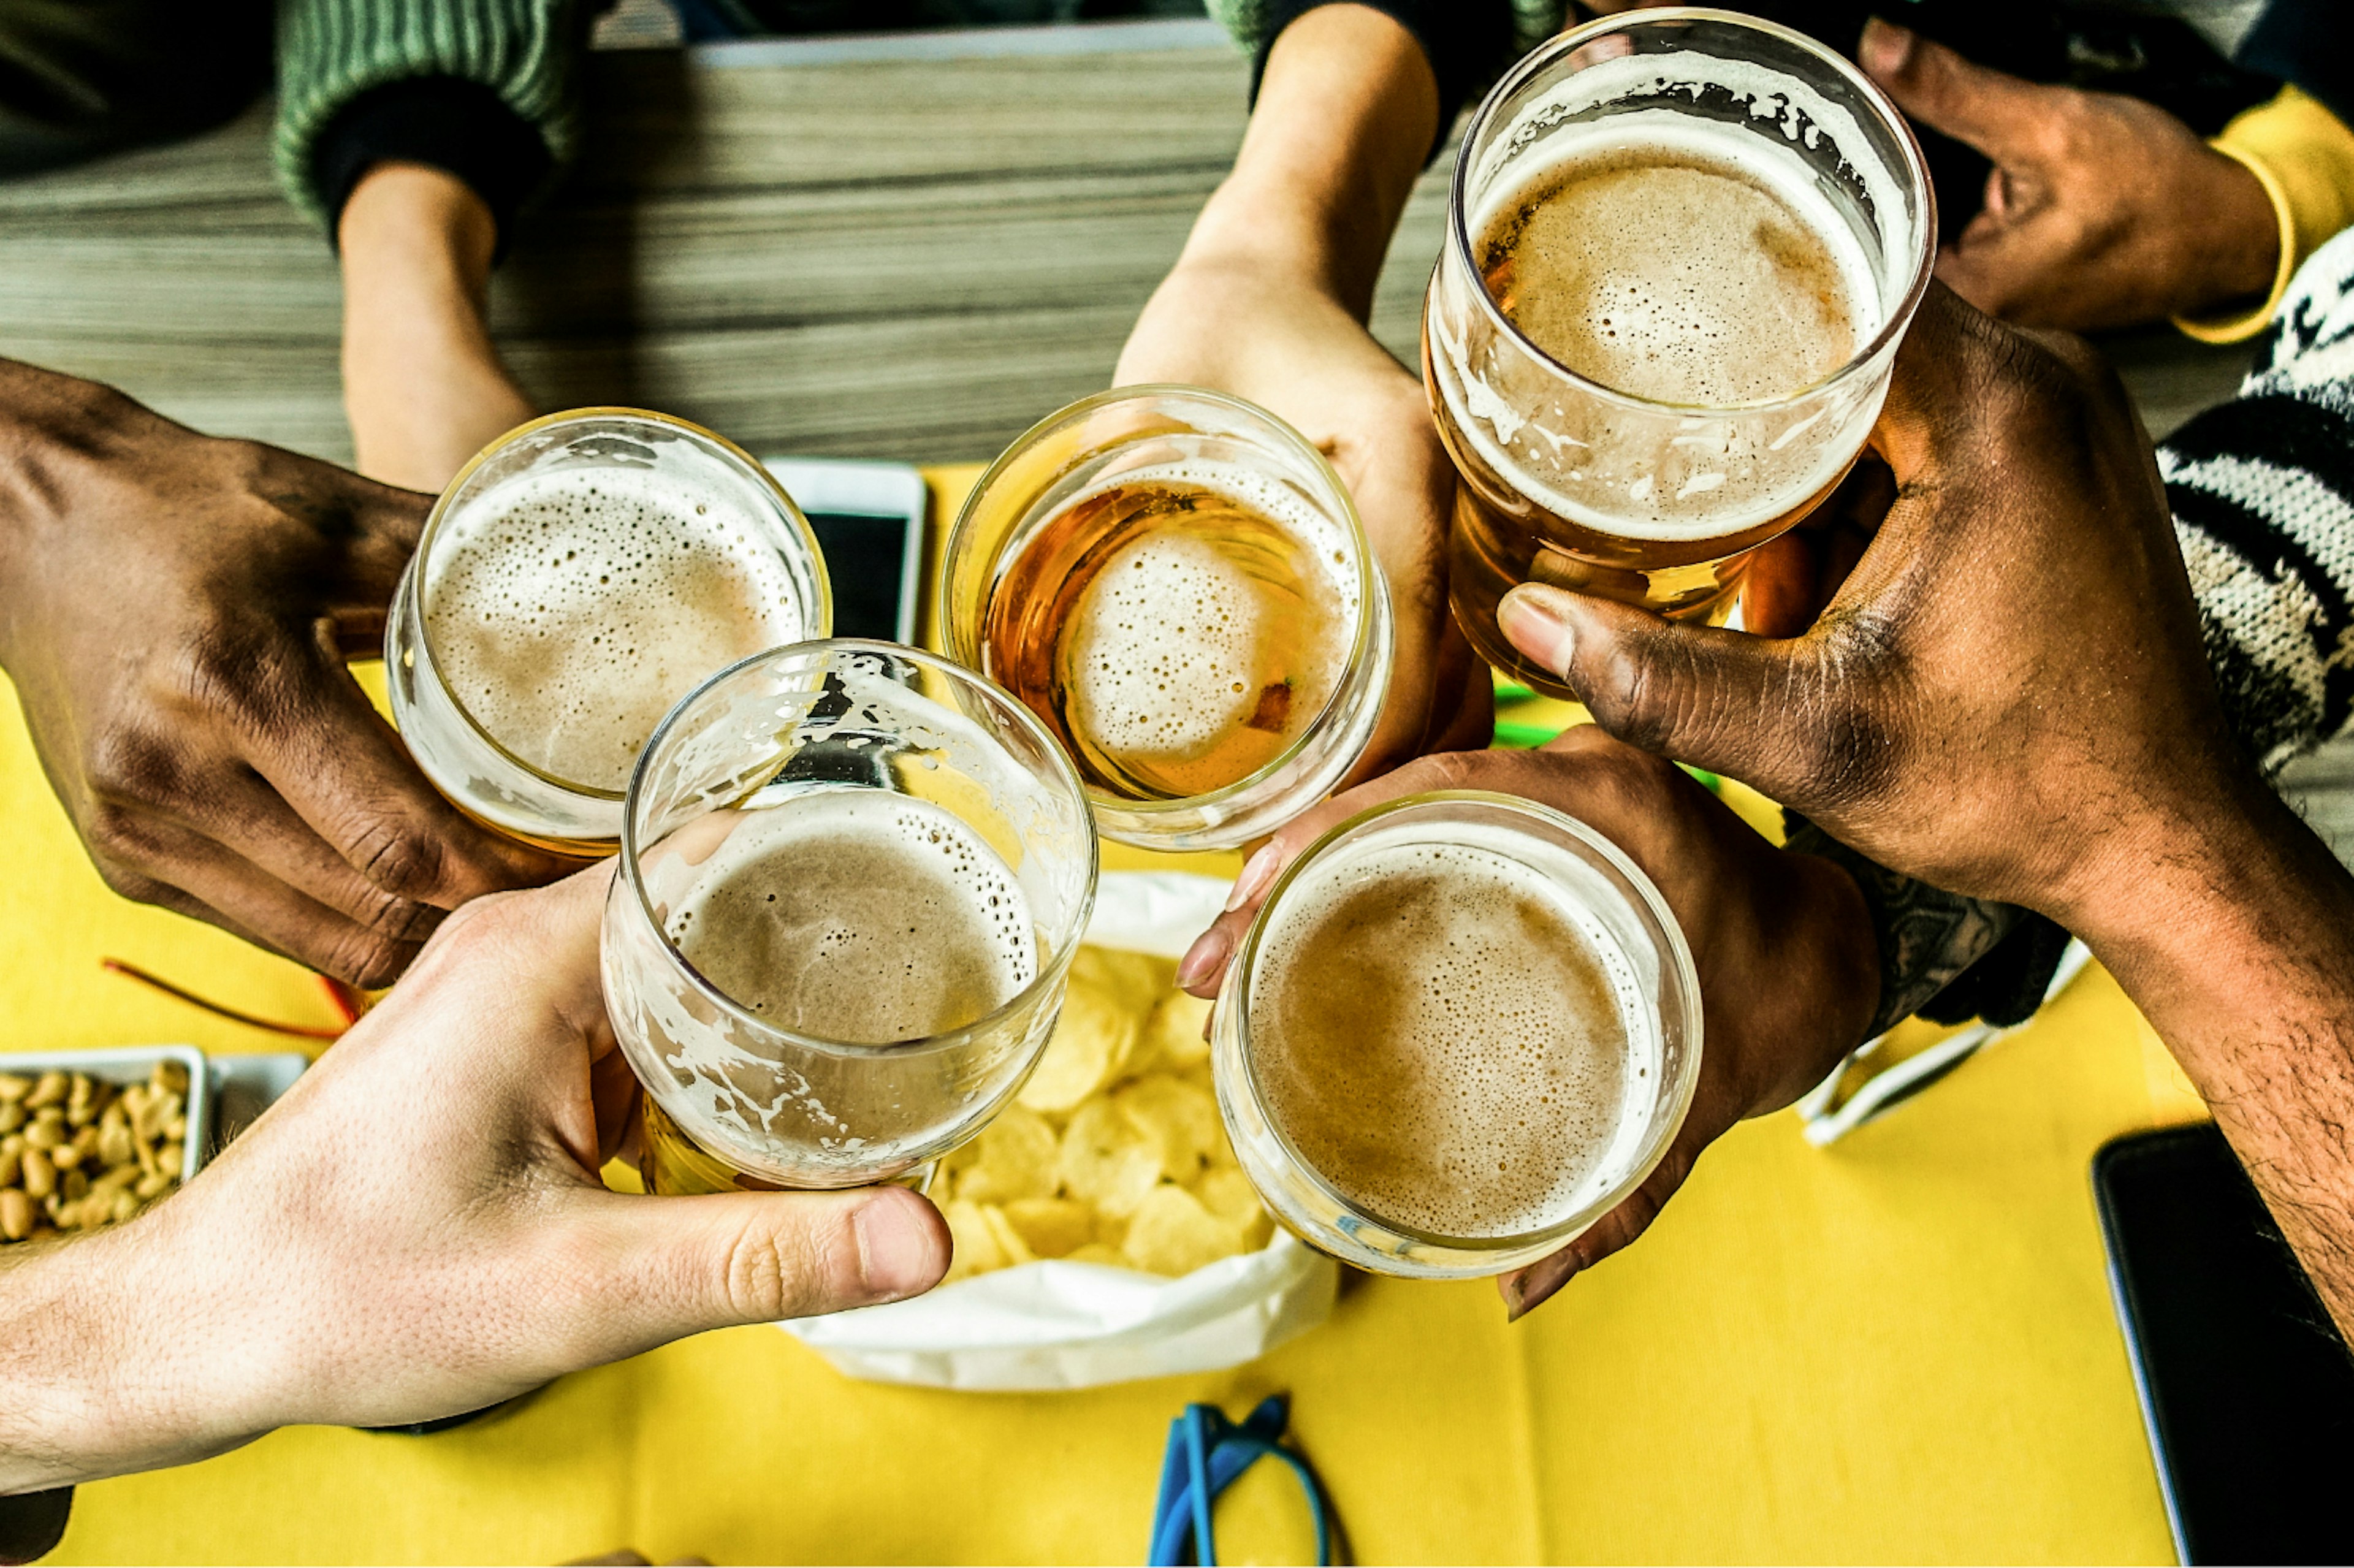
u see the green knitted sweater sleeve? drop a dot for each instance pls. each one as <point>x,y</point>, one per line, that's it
<point>331,51</point>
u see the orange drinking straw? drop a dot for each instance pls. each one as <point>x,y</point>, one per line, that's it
<point>346,1001</point>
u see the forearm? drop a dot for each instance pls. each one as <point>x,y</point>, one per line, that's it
<point>90,1356</point>
<point>2237,942</point>
<point>1346,113</point>
<point>422,380</point>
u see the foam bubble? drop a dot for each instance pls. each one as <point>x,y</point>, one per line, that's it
<point>1450,1040</point>
<point>859,916</point>
<point>569,610</point>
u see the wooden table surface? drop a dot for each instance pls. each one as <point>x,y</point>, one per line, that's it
<point>906,248</point>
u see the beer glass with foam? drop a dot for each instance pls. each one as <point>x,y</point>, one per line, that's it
<point>1463,1028</point>
<point>853,878</point>
<point>1177,584</point>
<point>578,577</point>
<point>1682,247</point>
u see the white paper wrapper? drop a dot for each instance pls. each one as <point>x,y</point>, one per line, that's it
<point>1077,1325</point>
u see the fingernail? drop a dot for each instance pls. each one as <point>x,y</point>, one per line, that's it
<point>1531,618</point>
<point>1884,49</point>
<point>899,1246</point>
<point>1203,960</point>
<point>1535,1284</point>
<point>1258,872</point>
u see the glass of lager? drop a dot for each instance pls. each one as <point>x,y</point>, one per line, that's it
<point>1463,1028</point>
<point>1176,583</point>
<point>853,877</point>
<point>1680,250</point>
<point>575,579</point>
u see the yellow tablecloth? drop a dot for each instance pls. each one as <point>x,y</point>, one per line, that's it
<point>1900,1348</point>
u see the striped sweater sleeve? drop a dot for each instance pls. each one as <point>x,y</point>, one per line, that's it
<point>330,52</point>
<point>2263,494</point>
<point>2263,490</point>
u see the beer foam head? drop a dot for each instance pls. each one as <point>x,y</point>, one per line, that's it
<point>1449,1038</point>
<point>567,609</point>
<point>858,916</point>
<point>1696,335</point>
<point>1165,648</point>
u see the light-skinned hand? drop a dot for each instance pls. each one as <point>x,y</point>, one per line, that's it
<point>418,1229</point>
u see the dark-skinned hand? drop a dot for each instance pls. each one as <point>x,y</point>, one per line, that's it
<point>176,612</point>
<point>1788,970</point>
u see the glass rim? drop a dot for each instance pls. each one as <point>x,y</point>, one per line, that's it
<point>1370,579</point>
<point>1676,957</point>
<point>756,469</point>
<point>1049,972</point>
<point>1459,239</point>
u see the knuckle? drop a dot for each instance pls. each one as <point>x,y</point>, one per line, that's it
<point>130,763</point>
<point>369,958</point>
<point>397,858</point>
<point>789,1271</point>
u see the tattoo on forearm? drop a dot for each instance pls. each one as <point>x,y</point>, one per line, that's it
<point>1927,937</point>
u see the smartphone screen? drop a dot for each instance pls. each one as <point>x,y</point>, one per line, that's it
<point>2246,1387</point>
<point>867,559</point>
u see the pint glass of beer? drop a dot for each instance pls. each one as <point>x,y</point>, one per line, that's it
<point>1680,250</point>
<point>853,878</point>
<point>581,575</point>
<point>1176,583</point>
<point>1463,1028</point>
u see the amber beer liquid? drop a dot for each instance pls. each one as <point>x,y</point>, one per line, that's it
<point>1175,636</point>
<point>1683,248</point>
<point>1461,1029</point>
<point>855,916</point>
<point>1176,584</point>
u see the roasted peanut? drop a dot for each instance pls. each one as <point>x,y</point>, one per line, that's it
<point>73,1184</point>
<point>170,1156</point>
<point>14,1087</point>
<point>66,1156</point>
<point>12,1115</point>
<point>45,1133</point>
<point>47,1090</point>
<point>15,1213</point>
<point>152,1185</point>
<point>125,1207</point>
<point>171,1077</point>
<point>40,1177</point>
<point>12,1165</point>
<point>115,1145</point>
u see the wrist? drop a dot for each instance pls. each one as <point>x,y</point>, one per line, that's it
<point>96,1362</point>
<point>413,231</point>
<point>1346,112</point>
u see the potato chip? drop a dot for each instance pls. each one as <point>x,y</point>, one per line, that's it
<point>1135,981</point>
<point>1226,1192</point>
<point>1052,1227</point>
<point>976,1250</point>
<point>1108,1159</point>
<point>1097,1252</point>
<point>1172,1035</point>
<point>1009,1240</point>
<point>1017,1159</point>
<point>1180,1118</point>
<point>1171,1233</point>
<point>1092,1041</point>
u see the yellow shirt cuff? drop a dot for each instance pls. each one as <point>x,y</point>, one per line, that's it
<point>2248,323</point>
<point>2303,155</point>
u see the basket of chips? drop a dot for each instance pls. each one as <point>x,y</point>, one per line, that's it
<point>1103,1230</point>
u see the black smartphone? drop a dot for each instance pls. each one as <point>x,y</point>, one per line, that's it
<point>2246,1386</point>
<point>869,522</point>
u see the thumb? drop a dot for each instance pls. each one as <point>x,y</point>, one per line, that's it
<point>1993,111</point>
<point>1725,701</point>
<point>677,1266</point>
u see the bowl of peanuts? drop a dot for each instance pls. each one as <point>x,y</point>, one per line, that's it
<point>91,1138</point>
